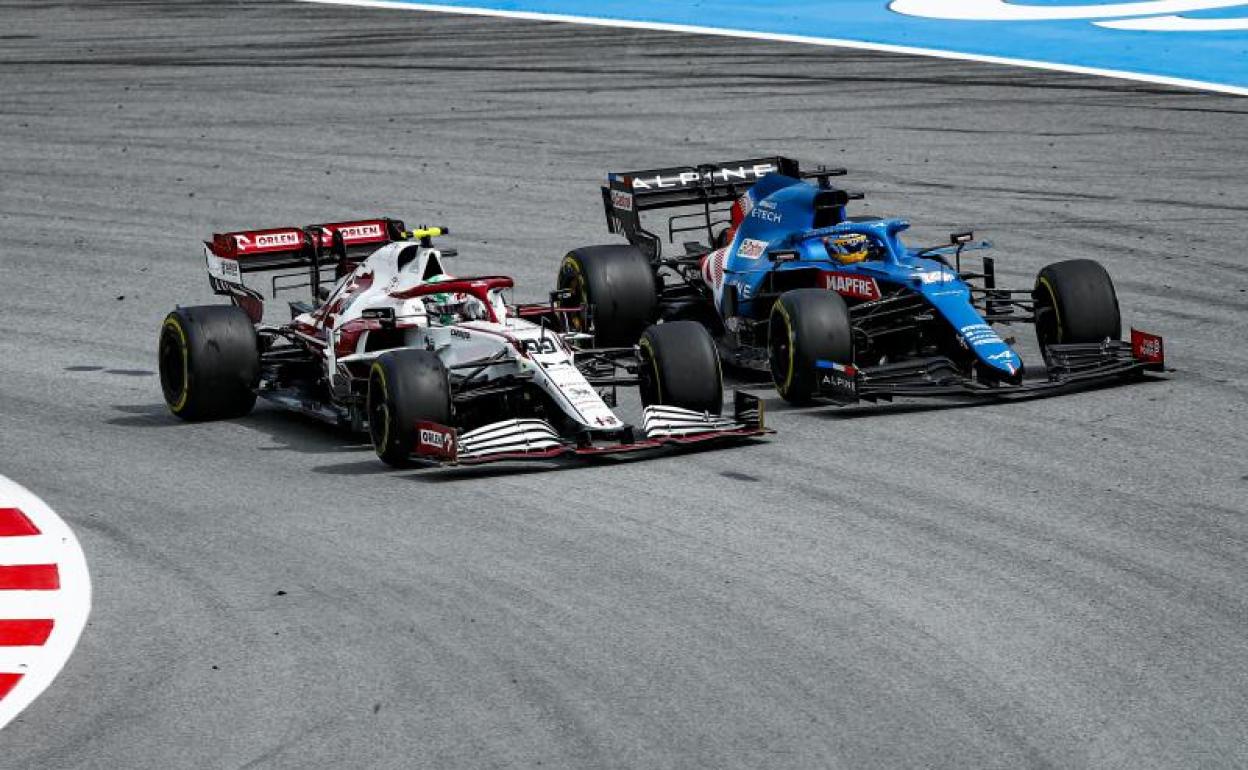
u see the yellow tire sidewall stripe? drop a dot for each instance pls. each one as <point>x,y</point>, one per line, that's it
<point>1056,314</point>
<point>654,363</point>
<point>385,395</point>
<point>570,261</point>
<point>172,322</point>
<point>788,326</point>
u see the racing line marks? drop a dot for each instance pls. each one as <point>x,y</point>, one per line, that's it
<point>1097,16</point>
<point>45,596</point>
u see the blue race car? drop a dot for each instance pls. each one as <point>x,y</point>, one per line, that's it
<point>834,306</point>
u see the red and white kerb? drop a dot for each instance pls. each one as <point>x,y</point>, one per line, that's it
<point>45,596</point>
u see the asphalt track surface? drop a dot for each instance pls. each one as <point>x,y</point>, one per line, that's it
<point>1049,583</point>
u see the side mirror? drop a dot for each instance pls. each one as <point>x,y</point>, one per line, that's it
<point>782,255</point>
<point>960,239</point>
<point>831,197</point>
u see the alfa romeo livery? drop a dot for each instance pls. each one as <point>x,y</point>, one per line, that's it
<point>434,367</point>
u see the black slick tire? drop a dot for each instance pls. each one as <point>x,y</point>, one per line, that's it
<point>617,288</point>
<point>404,387</point>
<point>806,326</point>
<point>209,362</point>
<point>679,366</point>
<point>1076,303</point>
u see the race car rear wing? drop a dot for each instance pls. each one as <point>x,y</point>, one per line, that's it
<point>230,256</point>
<point>627,194</point>
<point>282,248</point>
<point>683,185</point>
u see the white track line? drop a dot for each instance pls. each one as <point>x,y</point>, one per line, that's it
<point>67,606</point>
<point>801,39</point>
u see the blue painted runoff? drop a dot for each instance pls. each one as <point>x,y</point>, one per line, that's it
<point>1216,56</point>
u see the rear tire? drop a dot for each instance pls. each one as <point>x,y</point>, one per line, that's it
<point>680,367</point>
<point>617,288</point>
<point>807,326</point>
<point>1076,302</point>
<point>209,358</point>
<point>404,387</point>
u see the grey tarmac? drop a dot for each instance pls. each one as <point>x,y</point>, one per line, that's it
<point>1060,582</point>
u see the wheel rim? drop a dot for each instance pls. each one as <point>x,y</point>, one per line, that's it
<point>648,384</point>
<point>571,280</point>
<point>378,415</point>
<point>780,351</point>
<point>172,361</point>
<point>1048,324</point>
<point>580,320</point>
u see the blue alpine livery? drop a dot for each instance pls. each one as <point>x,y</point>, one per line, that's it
<point>783,218</point>
<point>833,305</point>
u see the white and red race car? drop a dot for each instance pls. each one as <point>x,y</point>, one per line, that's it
<point>434,367</point>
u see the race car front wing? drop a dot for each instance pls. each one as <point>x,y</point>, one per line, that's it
<point>1069,366</point>
<point>531,439</point>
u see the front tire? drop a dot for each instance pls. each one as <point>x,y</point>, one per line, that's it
<point>404,387</point>
<point>1076,302</point>
<point>679,366</point>
<point>617,289</point>
<point>806,326</point>
<point>209,358</point>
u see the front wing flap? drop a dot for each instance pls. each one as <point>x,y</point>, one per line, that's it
<point>1069,366</point>
<point>530,439</point>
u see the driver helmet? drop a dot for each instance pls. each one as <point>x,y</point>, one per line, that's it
<point>447,308</point>
<point>848,249</point>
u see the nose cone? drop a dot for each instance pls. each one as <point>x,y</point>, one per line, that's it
<point>1007,363</point>
<point>992,351</point>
